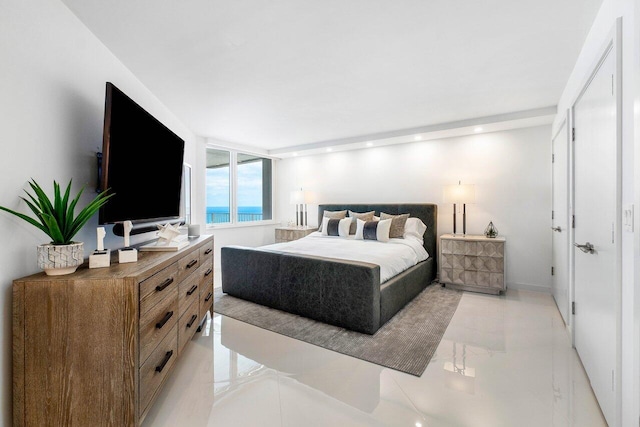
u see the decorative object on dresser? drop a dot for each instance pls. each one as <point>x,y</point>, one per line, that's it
<point>460,194</point>
<point>473,263</point>
<point>110,339</point>
<point>101,257</point>
<point>58,221</point>
<point>287,234</point>
<point>491,231</point>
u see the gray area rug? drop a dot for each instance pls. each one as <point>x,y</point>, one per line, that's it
<point>405,343</point>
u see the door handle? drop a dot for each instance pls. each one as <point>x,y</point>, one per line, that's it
<point>558,229</point>
<point>587,248</point>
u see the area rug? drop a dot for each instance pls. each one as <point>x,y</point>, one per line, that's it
<point>405,343</point>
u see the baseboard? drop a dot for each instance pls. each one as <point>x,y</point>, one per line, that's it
<point>529,287</point>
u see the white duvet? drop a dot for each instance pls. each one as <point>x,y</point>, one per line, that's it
<point>393,257</point>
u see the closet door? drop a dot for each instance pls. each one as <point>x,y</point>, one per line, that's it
<point>596,180</point>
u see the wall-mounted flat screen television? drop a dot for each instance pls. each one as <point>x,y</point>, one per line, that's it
<point>141,164</point>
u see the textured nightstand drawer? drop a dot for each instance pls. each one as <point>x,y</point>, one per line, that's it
<point>472,262</point>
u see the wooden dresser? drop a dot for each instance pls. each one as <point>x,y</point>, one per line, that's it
<point>473,263</point>
<point>94,348</point>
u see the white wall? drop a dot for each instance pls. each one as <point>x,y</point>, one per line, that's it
<point>629,11</point>
<point>511,171</point>
<point>53,78</point>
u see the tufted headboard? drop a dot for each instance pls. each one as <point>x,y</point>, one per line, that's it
<point>427,212</point>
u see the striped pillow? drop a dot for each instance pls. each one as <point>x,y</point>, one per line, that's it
<point>373,230</point>
<point>365,216</point>
<point>332,215</point>
<point>336,227</point>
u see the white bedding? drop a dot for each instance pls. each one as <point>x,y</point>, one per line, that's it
<point>393,257</point>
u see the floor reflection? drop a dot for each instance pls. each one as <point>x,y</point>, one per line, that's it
<point>503,361</point>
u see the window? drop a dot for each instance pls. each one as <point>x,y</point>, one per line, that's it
<point>238,187</point>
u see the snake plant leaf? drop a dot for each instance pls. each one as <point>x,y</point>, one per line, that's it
<point>56,218</point>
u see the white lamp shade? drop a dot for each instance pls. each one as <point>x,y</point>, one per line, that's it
<point>296,197</point>
<point>460,193</point>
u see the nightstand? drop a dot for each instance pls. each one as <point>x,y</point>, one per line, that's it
<point>287,234</point>
<point>473,263</point>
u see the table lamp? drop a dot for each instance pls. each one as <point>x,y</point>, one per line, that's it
<point>460,194</point>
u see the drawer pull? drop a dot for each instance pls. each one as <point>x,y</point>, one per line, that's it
<point>192,290</point>
<point>208,272</point>
<point>208,297</point>
<point>193,319</point>
<point>163,285</point>
<point>164,320</point>
<point>208,251</point>
<point>167,356</point>
<point>192,263</point>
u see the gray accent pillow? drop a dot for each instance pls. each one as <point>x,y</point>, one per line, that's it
<point>365,216</point>
<point>333,215</point>
<point>397,224</point>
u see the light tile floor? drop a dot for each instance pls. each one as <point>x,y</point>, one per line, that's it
<point>503,361</point>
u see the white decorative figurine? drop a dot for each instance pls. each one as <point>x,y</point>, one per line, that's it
<point>169,239</point>
<point>167,233</point>
<point>101,257</point>
<point>127,254</point>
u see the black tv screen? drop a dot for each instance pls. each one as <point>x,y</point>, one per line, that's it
<point>141,163</point>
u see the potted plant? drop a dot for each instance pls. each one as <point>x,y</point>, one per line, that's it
<point>57,220</point>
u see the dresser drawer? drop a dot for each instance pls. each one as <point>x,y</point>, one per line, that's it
<point>206,299</point>
<point>188,324</point>
<point>155,369</point>
<point>157,322</point>
<point>188,291</point>
<point>206,252</point>
<point>157,287</point>
<point>206,274</point>
<point>188,264</point>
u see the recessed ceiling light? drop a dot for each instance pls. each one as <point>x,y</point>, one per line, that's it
<point>417,138</point>
<point>478,129</point>
<point>418,424</point>
<point>369,144</point>
<point>329,149</point>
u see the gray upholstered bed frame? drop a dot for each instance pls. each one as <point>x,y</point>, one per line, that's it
<point>338,292</point>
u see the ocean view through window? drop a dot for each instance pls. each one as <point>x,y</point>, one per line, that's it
<point>239,187</point>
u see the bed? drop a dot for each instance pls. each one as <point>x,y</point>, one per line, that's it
<point>345,293</point>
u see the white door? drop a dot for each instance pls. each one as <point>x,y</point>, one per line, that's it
<point>560,221</point>
<point>596,270</point>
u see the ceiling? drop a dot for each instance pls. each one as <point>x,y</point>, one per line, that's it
<point>291,73</point>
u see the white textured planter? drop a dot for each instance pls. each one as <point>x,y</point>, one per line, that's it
<point>57,260</point>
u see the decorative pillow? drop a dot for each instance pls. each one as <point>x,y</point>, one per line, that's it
<point>414,228</point>
<point>365,216</point>
<point>335,227</point>
<point>333,215</point>
<point>397,224</point>
<point>373,230</point>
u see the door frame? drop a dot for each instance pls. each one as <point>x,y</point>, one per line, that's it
<point>613,46</point>
<point>565,123</point>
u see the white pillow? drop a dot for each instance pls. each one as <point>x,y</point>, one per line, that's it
<point>382,230</point>
<point>414,228</point>
<point>343,227</point>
